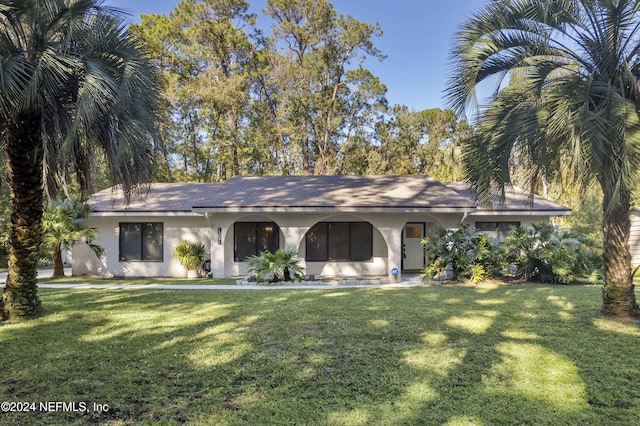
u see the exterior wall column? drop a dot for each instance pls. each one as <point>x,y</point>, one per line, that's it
<point>293,236</point>
<point>393,237</point>
<point>219,232</point>
<point>391,230</point>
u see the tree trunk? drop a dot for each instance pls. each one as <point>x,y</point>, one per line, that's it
<point>618,292</point>
<point>232,120</point>
<point>58,265</point>
<point>20,299</point>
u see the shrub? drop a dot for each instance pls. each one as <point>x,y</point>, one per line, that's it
<point>189,254</point>
<point>532,253</point>
<point>467,253</point>
<point>275,267</point>
<point>543,253</point>
<point>478,274</point>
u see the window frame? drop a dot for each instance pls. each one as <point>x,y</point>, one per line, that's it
<point>325,241</point>
<point>258,239</point>
<point>156,227</point>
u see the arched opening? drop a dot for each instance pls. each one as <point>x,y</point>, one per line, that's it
<point>344,246</point>
<point>246,236</point>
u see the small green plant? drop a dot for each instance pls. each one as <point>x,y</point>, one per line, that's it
<point>190,254</point>
<point>275,267</point>
<point>478,274</point>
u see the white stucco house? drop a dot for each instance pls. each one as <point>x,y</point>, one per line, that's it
<point>340,225</point>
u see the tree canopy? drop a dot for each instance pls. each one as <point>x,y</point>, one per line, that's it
<point>294,98</point>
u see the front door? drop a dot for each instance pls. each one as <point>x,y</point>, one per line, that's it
<point>412,249</point>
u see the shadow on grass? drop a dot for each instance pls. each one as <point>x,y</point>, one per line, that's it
<point>429,355</point>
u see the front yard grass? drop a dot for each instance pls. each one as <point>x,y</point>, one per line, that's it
<point>454,355</point>
<point>137,281</point>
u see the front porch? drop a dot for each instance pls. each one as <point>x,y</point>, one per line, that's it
<point>329,245</point>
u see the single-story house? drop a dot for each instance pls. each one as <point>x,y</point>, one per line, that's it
<point>340,225</point>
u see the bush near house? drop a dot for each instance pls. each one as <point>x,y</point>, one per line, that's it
<point>274,267</point>
<point>465,252</point>
<point>532,253</point>
<point>546,254</point>
<point>190,254</point>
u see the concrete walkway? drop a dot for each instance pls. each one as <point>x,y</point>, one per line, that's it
<point>410,281</point>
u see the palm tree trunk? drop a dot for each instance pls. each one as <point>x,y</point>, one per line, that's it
<point>58,265</point>
<point>618,292</point>
<point>20,299</point>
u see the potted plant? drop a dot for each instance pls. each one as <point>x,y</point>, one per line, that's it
<point>190,255</point>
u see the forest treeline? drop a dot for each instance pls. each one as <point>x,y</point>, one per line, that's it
<point>293,98</point>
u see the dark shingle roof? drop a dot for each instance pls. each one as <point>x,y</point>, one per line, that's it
<point>516,199</point>
<point>336,191</point>
<point>271,192</point>
<point>289,191</point>
<point>160,197</point>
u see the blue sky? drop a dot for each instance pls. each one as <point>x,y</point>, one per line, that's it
<point>417,40</point>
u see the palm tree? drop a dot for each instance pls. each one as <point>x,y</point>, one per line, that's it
<point>63,226</point>
<point>578,98</point>
<point>74,86</point>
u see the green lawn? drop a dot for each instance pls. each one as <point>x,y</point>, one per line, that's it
<point>137,281</point>
<point>454,355</point>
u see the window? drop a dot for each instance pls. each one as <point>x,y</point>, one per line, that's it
<point>252,238</point>
<point>413,231</point>
<point>498,230</point>
<point>340,241</point>
<point>141,241</point>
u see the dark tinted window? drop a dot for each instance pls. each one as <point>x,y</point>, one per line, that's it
<point>317,248</point>
<point>340,241</point>
<point>252,238</point>
<point>361,241</point>
<point>141,241</point>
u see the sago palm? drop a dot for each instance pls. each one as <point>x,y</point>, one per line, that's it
<point>73,85</point>
<point>576,98</point>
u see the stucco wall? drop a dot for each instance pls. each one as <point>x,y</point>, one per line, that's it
<point>175,228</point>
<point>216,232</point>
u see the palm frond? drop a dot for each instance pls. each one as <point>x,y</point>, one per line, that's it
<point>88,80</point>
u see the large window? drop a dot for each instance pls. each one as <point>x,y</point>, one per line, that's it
<point>253,238</point>
<point>141,241</point>
<point>340,241</point>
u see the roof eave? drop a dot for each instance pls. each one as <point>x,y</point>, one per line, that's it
<point>303,209</point>
<point>559,212</point>
<point>140,213</point>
